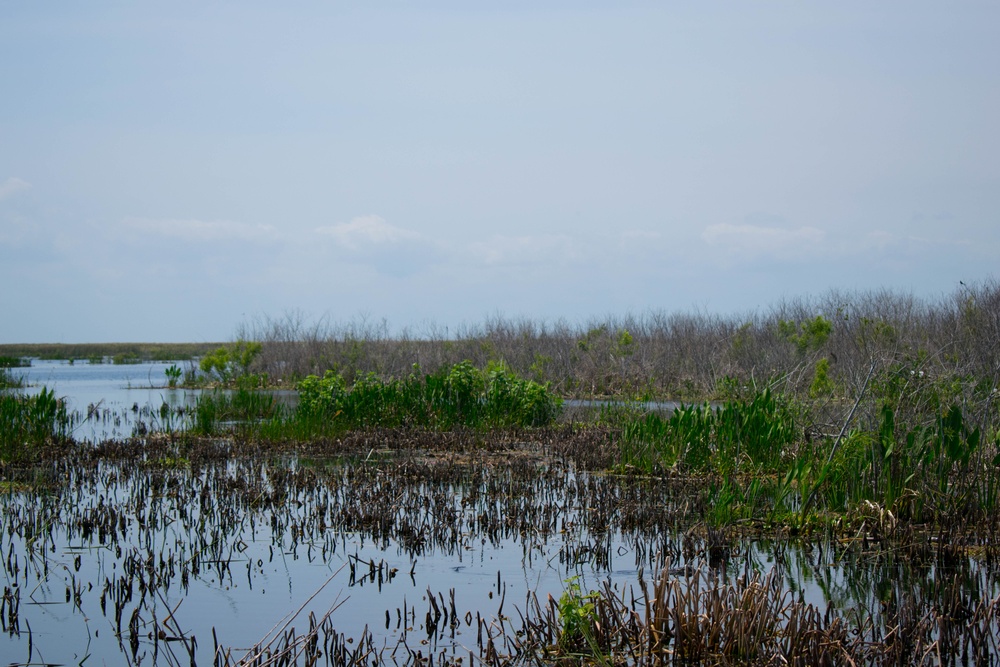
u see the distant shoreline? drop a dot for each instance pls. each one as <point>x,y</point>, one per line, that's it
<point>144,351</point>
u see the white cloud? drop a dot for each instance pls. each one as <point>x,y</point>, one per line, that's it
<point>521,250</point>
<point>201,231</point>
<point>755,241</point>
<point>367,230</point>
<point>390,250</point>
<point>12,186</point>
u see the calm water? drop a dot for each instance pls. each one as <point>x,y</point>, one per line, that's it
<point>60,573</point>
<point>125,393</point>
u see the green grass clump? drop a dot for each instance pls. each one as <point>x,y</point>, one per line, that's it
<point>126,359</point>
<point>242,409</point>
<point>14,362</point>
<point>10,381</point>
<point>462,395</point>
<point>749,435</point>
<point>28,422</point>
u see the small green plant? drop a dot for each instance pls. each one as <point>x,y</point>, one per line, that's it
<point>174,374</point>
<point>577,617</point>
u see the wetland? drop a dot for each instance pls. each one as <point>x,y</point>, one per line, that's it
<point>813,485</point>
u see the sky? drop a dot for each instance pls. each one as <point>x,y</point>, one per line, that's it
<point>169,171</point>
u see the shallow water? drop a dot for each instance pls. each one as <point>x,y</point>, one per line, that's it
<point>120,391</point>
<point>228,550</point>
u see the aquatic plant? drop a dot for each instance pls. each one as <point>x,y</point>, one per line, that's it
<point>13,362</point>
<point>241,410</point>
<point>8,380</point>
<point>738,435</point>
<point>173,373</point>
<point>126,358</point>
<point>459,396</point>
<point>577,618</point>
<point>28,422</point>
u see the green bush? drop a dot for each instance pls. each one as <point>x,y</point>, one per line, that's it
<point>231,362</point>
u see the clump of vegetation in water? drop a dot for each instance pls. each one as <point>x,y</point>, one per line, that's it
<point>126,359</point>
<point>243,409</point>
<point>747,435</point>
<point>174,374</point>
<point>577,618</point>
<point>462,395</point>
<point>28,422</point>
<point>9,380</point>
<point>14,362</point>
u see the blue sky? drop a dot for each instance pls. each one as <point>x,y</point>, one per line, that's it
<point>170,170</point>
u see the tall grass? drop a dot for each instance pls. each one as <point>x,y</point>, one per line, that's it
<point>739,435</point>
<point>758,465</point>
<point>243,409</point>
<point>462,395</point>
<point>8,380</point>
<point>13,362</point>
<point>29,422</point>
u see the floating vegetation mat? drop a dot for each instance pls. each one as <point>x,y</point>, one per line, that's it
<point>463,547</point>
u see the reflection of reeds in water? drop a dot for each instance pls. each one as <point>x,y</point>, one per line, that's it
<point>703,620</point>
<point>902,593</point>
<point>695,619</point>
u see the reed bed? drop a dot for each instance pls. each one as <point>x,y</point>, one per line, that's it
<point>185,508</point>
<point>852,454</point>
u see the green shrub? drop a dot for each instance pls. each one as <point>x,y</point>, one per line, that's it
<point>821,385</point>
<point>231,362</point>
